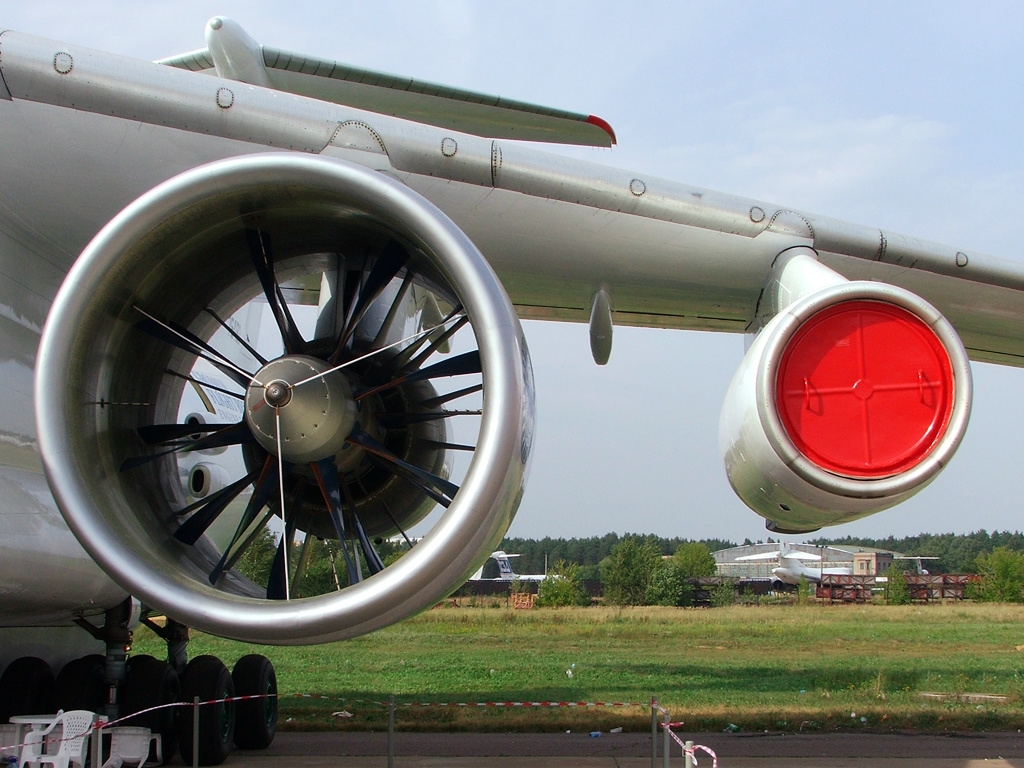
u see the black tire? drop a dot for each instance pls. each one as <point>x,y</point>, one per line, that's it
<point>80,685</point>
<point>27,684</point>
<point>255,720</point>
<point>151,683</point>
<point>207,678</point>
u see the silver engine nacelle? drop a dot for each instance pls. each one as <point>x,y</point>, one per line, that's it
<point>148,297</point>
<point>848,401</point>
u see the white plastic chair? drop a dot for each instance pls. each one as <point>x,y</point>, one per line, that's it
<point>129,745</point>
<point>72,746</point>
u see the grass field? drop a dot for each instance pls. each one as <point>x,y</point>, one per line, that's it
<point>783,667</point>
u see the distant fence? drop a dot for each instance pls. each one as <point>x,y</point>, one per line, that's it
<point>499,588</point>
<point>923,588</point>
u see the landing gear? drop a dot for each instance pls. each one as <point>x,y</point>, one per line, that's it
<point>207,678</point>
<point>255,719</point>
<point>137,689</point>
<point>28,687</point>
<point>151,683</point>
<point>79,685</point>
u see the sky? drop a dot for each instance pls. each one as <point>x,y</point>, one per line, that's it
<point>905,117</point>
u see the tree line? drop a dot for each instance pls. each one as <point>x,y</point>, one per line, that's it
<point>587,552</point>
<point>957,553</point>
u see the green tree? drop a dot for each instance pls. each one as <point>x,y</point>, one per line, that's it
<point>804,591</point>
<point>256,560</point>
<point>1002,576</point>
<point>669,585</point>
<point>562,587</point>
<point>897,592</point>
<point>723,595</point>
<point>695,560</point>
<point>628,571</point>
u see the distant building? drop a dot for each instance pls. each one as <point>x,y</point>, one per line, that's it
<point>872,563</point>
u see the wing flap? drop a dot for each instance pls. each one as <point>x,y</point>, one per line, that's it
<point>424,102</point>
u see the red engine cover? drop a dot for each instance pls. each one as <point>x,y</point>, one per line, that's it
<point>865,389</point>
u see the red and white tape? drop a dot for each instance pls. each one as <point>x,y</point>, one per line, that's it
<point>517,704</point>
<point>690,751</point>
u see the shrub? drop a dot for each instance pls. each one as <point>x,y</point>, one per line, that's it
<point>669,585</point>
<point>723,595</point>
<point>628,571</point>
<point>562,587</point>
<point>1002,577</point>
<point>897,592</point>
<point>695,560</point>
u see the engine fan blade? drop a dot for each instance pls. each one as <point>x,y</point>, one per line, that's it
<point>261,253</point>
<point>176,336</point>
<point>162,434</point>
<point>398,420</point>
<point>248,347</point>
<point>360,438</point>
<point>326,474</point>
<point>209,509</point>
<point>373,561</point>
<point>265,488</point>
<point>433,402</point>
<point>385,268</point>
<point>436,343</point>
<point>234,434</point>
<point>400,360</point>
<point>460,365</point>
<point>277,583</point>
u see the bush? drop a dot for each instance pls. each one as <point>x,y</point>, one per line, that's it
<point>1002,577</point>
<point>695,560</point>
<point>628,571</point>
<point>804,591</point>
<point>562,587</point>
<point>723,595</point>
<point>669,585</point>
<point>897,592</point>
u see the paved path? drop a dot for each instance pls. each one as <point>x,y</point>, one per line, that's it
<point>630,750</point>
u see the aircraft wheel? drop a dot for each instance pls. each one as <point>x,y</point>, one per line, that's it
<point>207,678</point>
<point>150,683</point>
<point>80,685</point>
<point>256,719</point>
<point>27,686</point>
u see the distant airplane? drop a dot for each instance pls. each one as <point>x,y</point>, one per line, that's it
<point>791,566</point>
<point>505,572</point>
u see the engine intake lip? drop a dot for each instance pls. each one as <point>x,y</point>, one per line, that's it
<point>787,324</point>
<point>92,314</point>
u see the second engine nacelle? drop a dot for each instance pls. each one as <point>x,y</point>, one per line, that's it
<point>849,401</point>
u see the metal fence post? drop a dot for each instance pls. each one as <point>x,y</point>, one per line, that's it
<point>97,743</point>
<point>195,732</point>
<point>391,731</point>
<point>666,749</point>
<point>654,732</point>
<point>689,754</point>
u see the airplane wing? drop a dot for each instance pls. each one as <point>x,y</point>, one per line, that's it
<point>761,556</point>
<point>791,554</point>
<point>337,200</point>
<point>429,103</point>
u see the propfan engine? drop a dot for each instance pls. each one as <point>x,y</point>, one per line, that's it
<point>850,400</point>
<point>357,415</point>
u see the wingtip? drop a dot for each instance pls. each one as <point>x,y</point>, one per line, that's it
<point>604,126</point>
